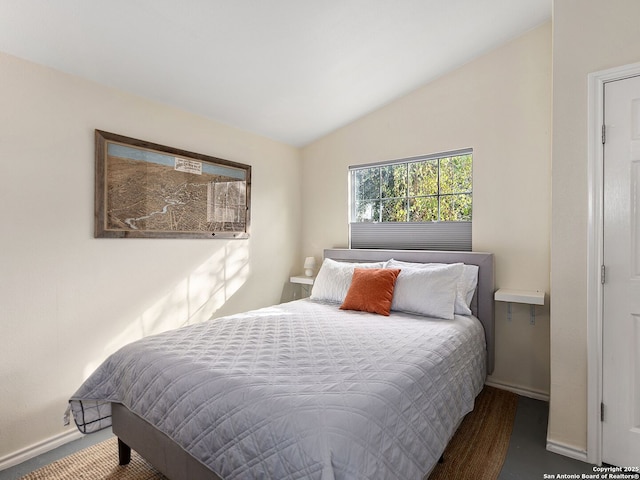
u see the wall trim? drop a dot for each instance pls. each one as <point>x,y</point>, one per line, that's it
<point>595,250</point>
<point>39,448</point>
<point>525,392</point>
<point>567,450</point>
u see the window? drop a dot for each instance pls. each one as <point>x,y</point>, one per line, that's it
<point>423,202</point>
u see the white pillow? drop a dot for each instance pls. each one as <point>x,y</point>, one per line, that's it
<point>427,291</point>
<point>466,287</point>
<point>470,281</point>
<point>334,279</point>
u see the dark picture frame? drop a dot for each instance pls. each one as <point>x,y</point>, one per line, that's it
<point>147,190</point>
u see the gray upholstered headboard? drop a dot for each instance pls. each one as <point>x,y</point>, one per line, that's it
<point>482,307</point>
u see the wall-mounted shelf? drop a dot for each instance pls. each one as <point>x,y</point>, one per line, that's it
<point>302,279</point>
<point>519,296</point>
<point>531,298</point>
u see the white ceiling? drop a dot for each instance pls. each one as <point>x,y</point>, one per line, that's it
<point>292,70</point>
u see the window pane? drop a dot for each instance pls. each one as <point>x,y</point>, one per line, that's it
<point>367,211</point>
<point>423,209</point>
<point>455,208</point>
<point>423,178</point>
<point>456,174</point>
<point>394,210</point>
<point>366,184</point>
<point>394,181</point>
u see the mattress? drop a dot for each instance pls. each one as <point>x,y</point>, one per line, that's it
<point>299,390</point>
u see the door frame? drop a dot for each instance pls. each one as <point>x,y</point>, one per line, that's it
<point>595,250</point>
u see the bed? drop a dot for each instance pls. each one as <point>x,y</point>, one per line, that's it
<point>304,389</point>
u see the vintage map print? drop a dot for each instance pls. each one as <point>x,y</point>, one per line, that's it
<point>153,191</point>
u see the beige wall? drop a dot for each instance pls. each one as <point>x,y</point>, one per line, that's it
<point>588,36</point>
<point>68,300</point>
<point>500,105</point>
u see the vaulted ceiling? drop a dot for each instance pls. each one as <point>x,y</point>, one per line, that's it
<point>292,70</point>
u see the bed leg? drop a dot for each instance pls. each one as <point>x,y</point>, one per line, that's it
<point>441,459</point>
<point>124,453</point>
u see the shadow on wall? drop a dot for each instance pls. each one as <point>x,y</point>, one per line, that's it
<point>194,299</point>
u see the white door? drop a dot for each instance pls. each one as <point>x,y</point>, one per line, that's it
<point>621,316</point>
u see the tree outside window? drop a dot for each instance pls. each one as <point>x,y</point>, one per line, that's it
<point>427,189</point>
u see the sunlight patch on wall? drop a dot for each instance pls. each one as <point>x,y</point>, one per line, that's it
<point>194,299</point>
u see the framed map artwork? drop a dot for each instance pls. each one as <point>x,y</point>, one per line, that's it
<point>145,190</point>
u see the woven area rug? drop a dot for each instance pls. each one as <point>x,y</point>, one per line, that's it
<point>479,447</point>
<point>477,450</point>
<point>98,462</point>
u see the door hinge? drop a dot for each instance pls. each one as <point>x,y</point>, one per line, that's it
<point>604,133</point>
<point>602,412</point>
<point>603,274</point>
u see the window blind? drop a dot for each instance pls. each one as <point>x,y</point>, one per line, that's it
<point>451,236</point>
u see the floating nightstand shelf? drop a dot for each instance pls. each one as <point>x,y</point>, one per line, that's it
<point>519,296</point>
<point>529,297</point>
<point>302,279</point>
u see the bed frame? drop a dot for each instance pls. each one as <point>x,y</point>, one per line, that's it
<point>169,458</point>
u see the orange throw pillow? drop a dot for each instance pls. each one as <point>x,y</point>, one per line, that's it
<point>371,290</point>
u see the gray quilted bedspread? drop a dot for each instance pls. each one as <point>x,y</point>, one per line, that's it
<point>299,390</point>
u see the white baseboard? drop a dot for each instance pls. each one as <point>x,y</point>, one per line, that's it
<point>39,448</point>
<point>525,392</point>
<point>567,450</point>
<point>552,446</point>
